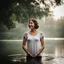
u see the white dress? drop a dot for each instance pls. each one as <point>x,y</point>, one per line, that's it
<point>33,42</point>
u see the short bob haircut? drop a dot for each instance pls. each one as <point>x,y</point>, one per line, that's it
<point>35,22</point>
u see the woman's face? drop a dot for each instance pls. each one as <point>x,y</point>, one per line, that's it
<point>31,24</point>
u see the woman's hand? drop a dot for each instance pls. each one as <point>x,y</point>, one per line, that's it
<point>26,50</point>
<point>35,55</point>
<point>30,54</point>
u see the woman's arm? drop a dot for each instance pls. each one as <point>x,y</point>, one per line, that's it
<point>24,46</point>
<point>42,46</point>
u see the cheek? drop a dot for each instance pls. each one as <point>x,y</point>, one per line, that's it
<point>33,25</point>
<point>28,25</point>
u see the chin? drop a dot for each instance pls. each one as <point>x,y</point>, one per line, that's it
<point>30,27</point>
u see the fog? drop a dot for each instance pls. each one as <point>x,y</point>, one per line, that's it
<point>48,26</point>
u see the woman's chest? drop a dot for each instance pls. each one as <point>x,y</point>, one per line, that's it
<point>33,38</point>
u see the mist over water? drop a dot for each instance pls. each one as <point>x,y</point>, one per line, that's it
<point>48,26</point>
<point>15,33</point>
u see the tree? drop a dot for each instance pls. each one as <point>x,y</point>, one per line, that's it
<point>22,10</point>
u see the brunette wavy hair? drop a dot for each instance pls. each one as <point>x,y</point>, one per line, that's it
<point>35,22</point>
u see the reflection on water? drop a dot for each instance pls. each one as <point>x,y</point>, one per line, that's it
<point>17,58</point>
<point>54,47</point>
<point>21,59</point>
<point>13,53</point>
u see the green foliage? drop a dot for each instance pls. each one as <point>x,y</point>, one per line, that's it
<point>21,11</point>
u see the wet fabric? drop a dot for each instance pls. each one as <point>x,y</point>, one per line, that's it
<point>33,42</point>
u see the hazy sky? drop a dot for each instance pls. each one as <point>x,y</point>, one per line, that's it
<point>58,11</point>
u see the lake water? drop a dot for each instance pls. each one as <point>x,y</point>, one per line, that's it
<point>12,51</point>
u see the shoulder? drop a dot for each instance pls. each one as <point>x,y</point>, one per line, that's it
<point>41,33</point>
<point>25,34</point>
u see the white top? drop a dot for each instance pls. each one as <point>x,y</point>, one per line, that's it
<point>33,42</point>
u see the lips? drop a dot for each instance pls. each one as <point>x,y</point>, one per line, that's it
<point>30,26</point>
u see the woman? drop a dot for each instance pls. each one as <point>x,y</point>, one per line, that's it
<point>35,42</point>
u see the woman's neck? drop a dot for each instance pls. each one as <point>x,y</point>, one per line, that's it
<point>33,30</point>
